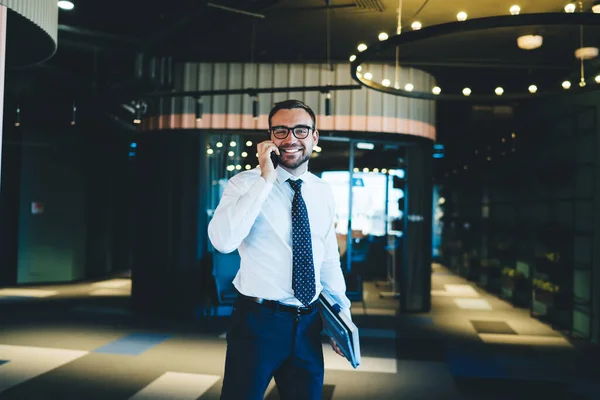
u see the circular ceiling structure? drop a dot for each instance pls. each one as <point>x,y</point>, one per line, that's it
<point>498,58</point>
<point>31,31</point>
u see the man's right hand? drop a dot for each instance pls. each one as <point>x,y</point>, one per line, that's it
<point>267,169</point>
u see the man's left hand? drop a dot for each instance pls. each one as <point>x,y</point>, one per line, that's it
<point>336,348</point>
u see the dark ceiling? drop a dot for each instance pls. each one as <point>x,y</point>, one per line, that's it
<point>98,41</point>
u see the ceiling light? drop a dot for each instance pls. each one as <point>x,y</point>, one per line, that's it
<point>570,8</point>
<point>409,87</point>
<point>249,143</point>
<point>461,16</point>
<point>66,5</point>
<point>365,146</point>
<point>368,75</point>
<point>416,25</point>
<point>219,144</point>
<point>530,42</point>
<point>466,91</point>
<point>362,47</point>
<point>596,8</point>
<point>532,89</point>
<point>515,10</point>
<point>436,90</point>
<point>209,151</point>
<point>244,154</point>
<point>586,53</point>
<point>232,143</point>
<point>566,85</point>
<point>597,78</point>
<point>499,91</point>
<point>383,36</point>
<point>386,82</point>
<point>352,57</point>
<point>231,154</point>
<point>248,166</point>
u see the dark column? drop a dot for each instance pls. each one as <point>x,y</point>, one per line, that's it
<point>9,205</point>
<point>415,277</point>
<point>168,224</point>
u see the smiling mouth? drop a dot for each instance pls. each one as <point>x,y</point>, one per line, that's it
<point>291,151</point>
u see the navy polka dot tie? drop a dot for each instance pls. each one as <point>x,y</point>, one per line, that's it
<point>303,277</point>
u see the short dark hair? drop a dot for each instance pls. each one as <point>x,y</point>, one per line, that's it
<point>291,104</point>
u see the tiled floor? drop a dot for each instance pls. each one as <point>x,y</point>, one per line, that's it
<point>81,341</point>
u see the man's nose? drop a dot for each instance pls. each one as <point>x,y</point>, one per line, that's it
<point>290,139</point>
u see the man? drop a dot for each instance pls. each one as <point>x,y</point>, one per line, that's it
<point>281,221</point>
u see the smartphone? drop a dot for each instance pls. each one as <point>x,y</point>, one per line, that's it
<point>274,159</point>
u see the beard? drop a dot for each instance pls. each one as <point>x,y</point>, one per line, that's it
<point>294,163</point>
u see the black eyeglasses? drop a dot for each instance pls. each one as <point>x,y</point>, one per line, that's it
<point>300,131</point>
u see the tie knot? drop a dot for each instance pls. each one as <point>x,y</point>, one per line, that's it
<point>296,185</point>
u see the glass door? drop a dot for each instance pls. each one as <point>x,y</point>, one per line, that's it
<point>367,181</point>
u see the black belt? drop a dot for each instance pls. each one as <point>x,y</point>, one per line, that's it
<point>275,305</point>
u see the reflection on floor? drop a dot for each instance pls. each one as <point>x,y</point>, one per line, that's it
<point>81,341</point>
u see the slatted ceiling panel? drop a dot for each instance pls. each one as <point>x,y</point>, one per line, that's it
<point>280,79</point>
<point>190,83</point>
<point>341,102</point>
<point>296,78</point>
<point>234,81</point>
<point>359,110</point>
<point>250,79</point>
<point>312,79</point>
<point>43,12</point>
<point>374,101</point>
<point>265,79</point>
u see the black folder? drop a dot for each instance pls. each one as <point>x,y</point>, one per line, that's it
<point>340,328</point>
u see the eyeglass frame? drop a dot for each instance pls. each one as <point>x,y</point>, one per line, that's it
<point>310,128</point>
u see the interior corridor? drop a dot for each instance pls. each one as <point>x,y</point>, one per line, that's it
<point>82,341</point>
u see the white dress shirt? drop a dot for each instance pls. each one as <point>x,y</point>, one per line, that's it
<point>255,217</point>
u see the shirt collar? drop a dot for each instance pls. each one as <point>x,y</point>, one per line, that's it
<point>283,175</point>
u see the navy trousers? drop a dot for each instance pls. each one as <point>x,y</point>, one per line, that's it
<point>263,343</point>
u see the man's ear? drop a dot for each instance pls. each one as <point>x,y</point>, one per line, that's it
<point>316,136</point>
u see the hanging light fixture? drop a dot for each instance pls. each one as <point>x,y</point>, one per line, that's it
<point>138,113</point>
<point>18,116</point>
<point>328,104</point>
<point>570,8</point>
<point>530,42</point>
<point>74,114</point>
<point>255,105</point>
<point>596,7</point>
<point>199,109</point>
